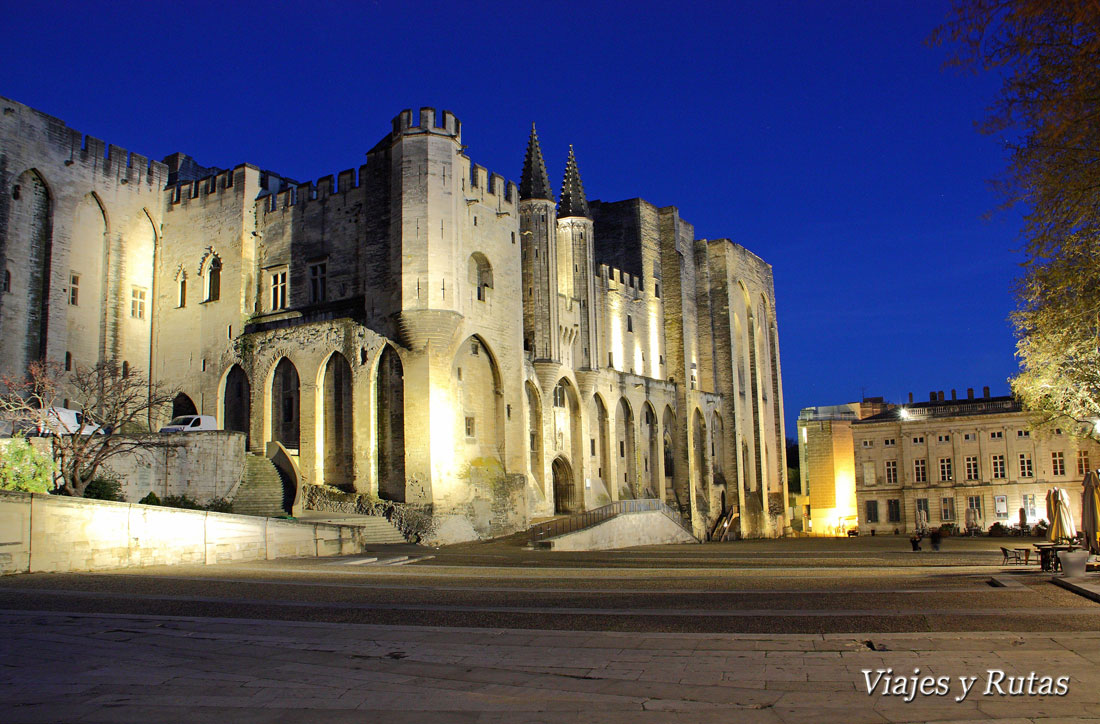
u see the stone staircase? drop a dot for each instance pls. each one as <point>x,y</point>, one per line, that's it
<point>378,530</point>
<point>261,491</point>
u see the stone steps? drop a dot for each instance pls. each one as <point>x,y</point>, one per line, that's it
<point>378,530</point>
<point>261,491</point>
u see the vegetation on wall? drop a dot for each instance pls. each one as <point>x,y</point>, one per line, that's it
<point>25,469</point>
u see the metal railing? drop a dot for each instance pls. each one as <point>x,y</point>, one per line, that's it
<point>589,518</point>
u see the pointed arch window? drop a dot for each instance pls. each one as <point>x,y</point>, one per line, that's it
<point>214,280</point>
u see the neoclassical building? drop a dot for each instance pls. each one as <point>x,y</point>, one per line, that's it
<point>981,458</point>
<point>417,328</point>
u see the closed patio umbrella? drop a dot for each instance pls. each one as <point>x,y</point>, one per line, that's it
<point>1061,522</point>
<point>1023,520</point>
<point>1090,511</point>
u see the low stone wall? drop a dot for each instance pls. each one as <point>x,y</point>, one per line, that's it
<point>202,465</point>
<point>647,528</point>
<point>40,533</point>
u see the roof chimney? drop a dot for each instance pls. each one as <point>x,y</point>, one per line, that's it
<point>953,397</point>
<point>941,396</point>
<point>985,392</point>
<point>932,396</point>
<point>970,393</point>
<point>910,398</point>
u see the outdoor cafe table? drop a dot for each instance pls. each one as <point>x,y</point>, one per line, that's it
<point>1048,553</point>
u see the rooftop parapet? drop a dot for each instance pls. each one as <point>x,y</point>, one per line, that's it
<point>214,185</point>
<point>492,185</point>
<point>345,181</point>
<point>613,278</point>
<point>87,151</point>
<point>429,120</point>
<point>113,161</point>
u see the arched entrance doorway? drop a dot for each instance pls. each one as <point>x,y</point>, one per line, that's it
<point>285,405</point>
<point>565,490</point>
<point>339,446</point>
<point>237,402</point>
<point>389,394</point>
<point>182,405</point>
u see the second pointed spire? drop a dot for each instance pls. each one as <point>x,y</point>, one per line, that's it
<point>573,201</point>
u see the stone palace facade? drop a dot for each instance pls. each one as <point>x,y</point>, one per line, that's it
<point>417,328</point>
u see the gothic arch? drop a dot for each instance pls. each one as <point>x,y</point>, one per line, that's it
<point>389,421</point>
<point>564,486</point>
<point>183,405</point>
<point>235,402</point>
<point>651,463</point>
<point>676,482</point>
<point>210,271</point>
<point>336,424</point>
<point>87,282</point>
<point>28,252</point>
<point>567,444</point>
<point>480,275</point>
<point>534,432</point>
<point>284,393</point>
<point>600,449</point>
<point>479,413</point>
<point>627,450</point>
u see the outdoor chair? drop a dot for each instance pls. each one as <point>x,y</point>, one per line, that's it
<point>1010,556</point>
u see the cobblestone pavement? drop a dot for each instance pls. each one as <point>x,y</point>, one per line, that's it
<point>109,668</point>
<point>494,633</point>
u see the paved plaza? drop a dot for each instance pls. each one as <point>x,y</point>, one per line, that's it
<point>768,631</point>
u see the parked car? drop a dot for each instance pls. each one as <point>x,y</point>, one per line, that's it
<point>63,421</point>
<point>191,423</point>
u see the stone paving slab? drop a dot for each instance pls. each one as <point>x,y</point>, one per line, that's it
<point>62,667</point>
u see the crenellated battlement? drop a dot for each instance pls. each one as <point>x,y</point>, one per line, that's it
<point>614,279</point>
<point>115,161</point>
<point>216,185</point>
<point>303,193</point>
<point>428,120</point>
<point>85,151</point>
<point>492,186</point>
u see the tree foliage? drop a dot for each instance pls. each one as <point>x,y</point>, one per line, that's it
<point>1048,110</point>
<point>119,402</point>
<point>25,469</point>
<point>1057,324</point>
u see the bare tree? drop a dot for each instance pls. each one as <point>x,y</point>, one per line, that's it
<point>115,407</point>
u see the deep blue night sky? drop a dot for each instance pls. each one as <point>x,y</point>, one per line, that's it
<point>823,136</point>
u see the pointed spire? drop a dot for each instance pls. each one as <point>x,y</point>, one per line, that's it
<point>573,201</point>
<point>534,183</point>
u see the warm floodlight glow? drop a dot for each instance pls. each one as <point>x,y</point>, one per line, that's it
<point>904,413</point>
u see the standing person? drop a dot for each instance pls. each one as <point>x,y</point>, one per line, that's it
<point>935,538</point>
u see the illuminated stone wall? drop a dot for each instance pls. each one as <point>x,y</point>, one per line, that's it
<point>410,328</point>
<point>73,206</point>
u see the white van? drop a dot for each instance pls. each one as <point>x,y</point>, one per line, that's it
<point>63,421</point>
<point>191,423</point>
